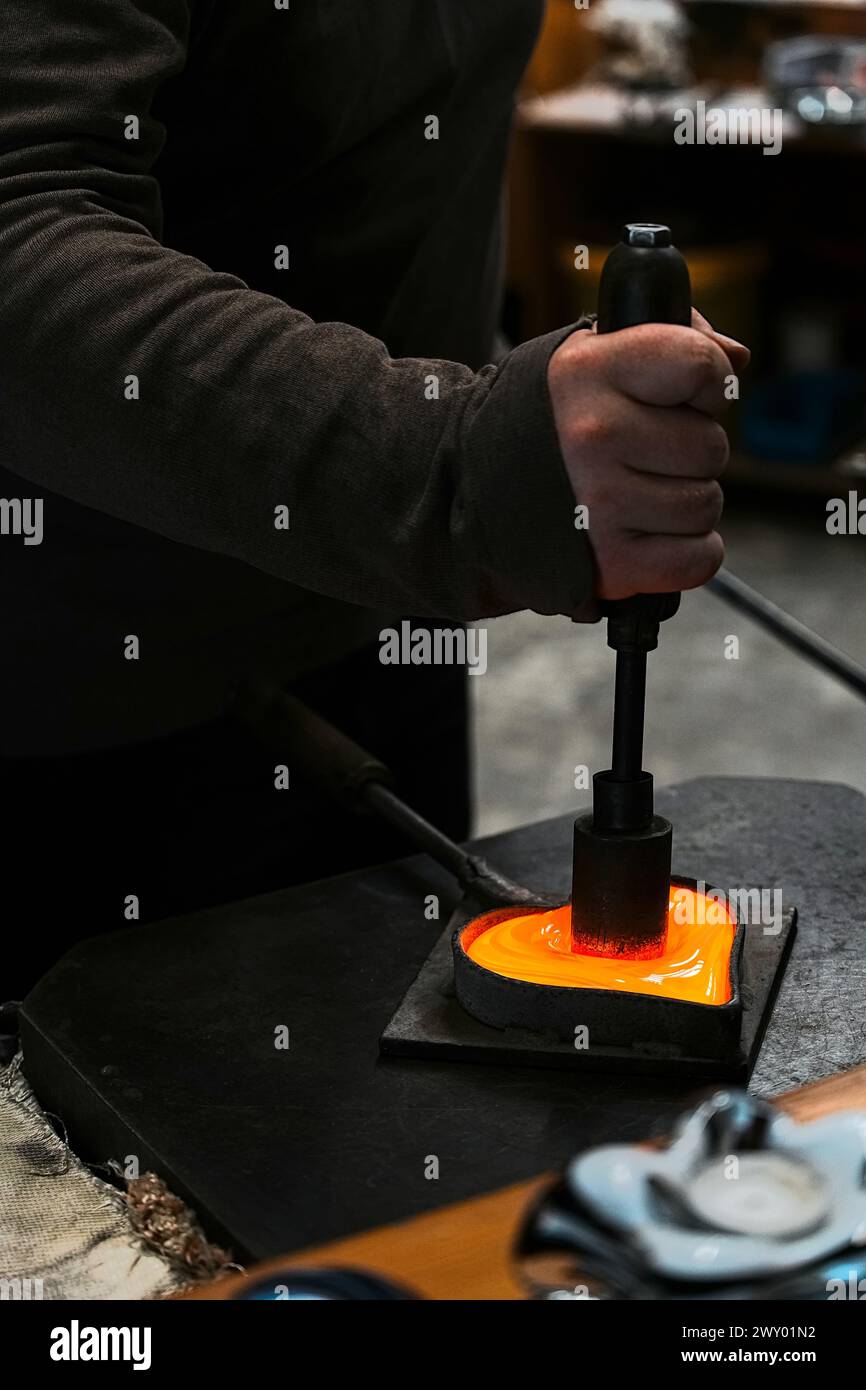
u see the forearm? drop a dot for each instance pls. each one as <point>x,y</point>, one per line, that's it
<point>140,382</point>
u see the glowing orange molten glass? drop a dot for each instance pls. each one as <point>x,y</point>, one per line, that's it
<point>694,965</point>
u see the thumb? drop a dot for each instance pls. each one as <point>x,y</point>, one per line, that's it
<point>737,354</point>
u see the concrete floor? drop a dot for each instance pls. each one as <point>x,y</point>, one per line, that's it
<point>544,705</point>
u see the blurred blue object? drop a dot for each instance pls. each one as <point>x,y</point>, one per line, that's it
<point>804,418</point>
<point>320,1285</point>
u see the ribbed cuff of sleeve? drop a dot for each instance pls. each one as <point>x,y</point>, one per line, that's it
<point>522,499</point>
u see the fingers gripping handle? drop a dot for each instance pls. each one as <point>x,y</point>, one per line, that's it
<point>644,280</point>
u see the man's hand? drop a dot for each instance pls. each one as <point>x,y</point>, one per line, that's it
<point>637,417</point>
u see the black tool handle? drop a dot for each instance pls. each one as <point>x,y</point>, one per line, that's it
<point>309,745</point>
<point>328,759</point>
<point>644,280</point>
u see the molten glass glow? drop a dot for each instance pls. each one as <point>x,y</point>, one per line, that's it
<point>694,965</point>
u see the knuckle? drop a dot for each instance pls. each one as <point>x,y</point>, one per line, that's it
<point>596,493</point>
<point>590,433</point>
<point>614,569</point>
<point>564,370</point>
<point>704,559</point>
<point>718,449</point>
<point>707,448</point>
<point>701,363</point>
<point>707,504</point>
<point>570,356</point>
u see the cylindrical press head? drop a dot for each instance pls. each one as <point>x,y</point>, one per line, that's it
<point>621,890</point>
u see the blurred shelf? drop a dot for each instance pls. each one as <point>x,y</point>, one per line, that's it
<point>602,109</point>
<point>783,4</point>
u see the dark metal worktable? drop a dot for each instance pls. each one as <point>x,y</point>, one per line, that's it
<point>159,1041</point>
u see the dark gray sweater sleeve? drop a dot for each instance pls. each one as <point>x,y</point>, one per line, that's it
<point>457,506</point>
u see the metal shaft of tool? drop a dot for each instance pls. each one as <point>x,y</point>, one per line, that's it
<point>791,631</point>
<point>426,836</point>
<point>629,704</point>
<point>478,878</point>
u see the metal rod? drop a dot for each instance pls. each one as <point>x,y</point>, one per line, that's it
<point>426,836</point>
<point>474,874</point>
<point>628,715</point>
<point>789,630</point>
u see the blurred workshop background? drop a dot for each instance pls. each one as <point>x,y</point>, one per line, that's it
<point>775,244</point>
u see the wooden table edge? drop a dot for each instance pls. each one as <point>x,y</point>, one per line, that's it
<point>463,1251</point>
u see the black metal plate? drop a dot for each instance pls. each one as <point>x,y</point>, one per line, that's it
<point>430,1022</point>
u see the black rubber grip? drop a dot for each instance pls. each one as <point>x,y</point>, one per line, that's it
<point>644,280</point>
<point>310,747</point>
